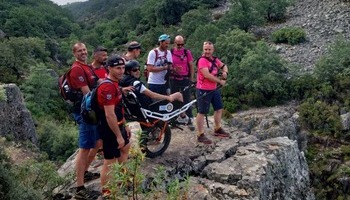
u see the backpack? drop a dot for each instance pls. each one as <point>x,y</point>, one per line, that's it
<point>182,57</point>
<point>213,63</point>
<point>89,107</point>
<point>145,71</point>
<point>68,94</point>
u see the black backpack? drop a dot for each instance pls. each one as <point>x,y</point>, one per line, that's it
<point>213,63</point>
<point>89,109</point>
<point>68,94</point>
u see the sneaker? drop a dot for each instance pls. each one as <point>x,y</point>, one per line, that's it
<point>88,176</point>
<point>190,124</point>
<point>221,133</point>
<point>203,139</point>
<point>182,120</point>
<point>85,194</point>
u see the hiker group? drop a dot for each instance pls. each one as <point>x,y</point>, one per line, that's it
<point>168,72</point>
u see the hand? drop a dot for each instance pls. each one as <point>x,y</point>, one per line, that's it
<point>222,82</point>
<point>128,131</point>
<point>176,96</point>
<point>128,89</point>
<point>121,142</point>
<point>224,75</point>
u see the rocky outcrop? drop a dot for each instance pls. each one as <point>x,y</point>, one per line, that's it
<point>263,159</point>
<point>16,120</point>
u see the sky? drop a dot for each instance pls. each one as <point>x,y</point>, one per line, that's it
<point>63,2</point>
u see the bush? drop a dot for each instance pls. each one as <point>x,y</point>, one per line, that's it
<point>320,116</point>
<point>289,35</point>
<point>58,140</point>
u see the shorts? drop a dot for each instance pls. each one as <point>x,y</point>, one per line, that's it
<point>110,144</point>
<point>158,88</point>
<point>212,97</point>
<point>88,134</point>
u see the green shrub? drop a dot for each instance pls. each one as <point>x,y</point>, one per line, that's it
<point>335,63</point>
<point>57,139</point>
<point>320,116</point>
<point>3,96</point>
<point>289,35</point>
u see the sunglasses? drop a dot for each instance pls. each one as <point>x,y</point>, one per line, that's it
<point>180,45</point>
<point>135,69</point>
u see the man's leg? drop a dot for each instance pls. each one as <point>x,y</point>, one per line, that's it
<point>217,118</point>
<point>92,153</point>
<point>106,168</point>
<point>80,164</point>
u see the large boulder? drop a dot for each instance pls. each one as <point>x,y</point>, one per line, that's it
<point>16,120</point>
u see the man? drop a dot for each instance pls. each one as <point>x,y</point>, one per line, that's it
<point>132,78</point>
<point>182,76</point>
<point>158,64</point>
<point>134,50</point>
<point>207,80</point>
<point>83,79</point>
<point>100,57</point>
<point>114,134</point>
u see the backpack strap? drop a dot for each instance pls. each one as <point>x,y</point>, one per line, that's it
<point>213,63</point>
<point>185,55</point>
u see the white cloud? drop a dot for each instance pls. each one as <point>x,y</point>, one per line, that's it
<point>63,2</point>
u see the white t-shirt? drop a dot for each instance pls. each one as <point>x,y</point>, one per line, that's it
<point>158,77</point>
<point>142,86</point>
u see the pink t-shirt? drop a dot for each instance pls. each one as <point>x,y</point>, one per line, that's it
<point>180,61</point>
<point>203,83</point>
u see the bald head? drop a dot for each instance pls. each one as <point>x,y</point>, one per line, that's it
<point>179,42</point>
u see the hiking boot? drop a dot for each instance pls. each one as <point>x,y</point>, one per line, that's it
<point>182,120</point>
<point>85,194</point>
<point>190,124</point>
<point>203,139</point>
<point>221,133</point>
<point>88,176</point>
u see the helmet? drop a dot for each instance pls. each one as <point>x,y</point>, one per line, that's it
<point>163,37</point>
<point>131,64</point>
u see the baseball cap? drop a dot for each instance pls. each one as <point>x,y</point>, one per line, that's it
<point>163,37</point>
<point>134,45</point>
<point>115,60</point>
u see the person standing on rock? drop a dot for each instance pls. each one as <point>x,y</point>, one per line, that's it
<point>207,93</point>
<point>182,76</point>
<point>82,78</point>
<point>99,61</point>
<point>134,50</point>
<point>115,135</point>
<point>158,65</point>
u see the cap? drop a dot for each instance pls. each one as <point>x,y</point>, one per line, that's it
<point>134,45</point>
<point>115,60</point>
<point>100,48</point>
<point>163,37</point>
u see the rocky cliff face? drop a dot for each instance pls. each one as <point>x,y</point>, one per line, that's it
<point>263,159</point>
<point>15,118</point>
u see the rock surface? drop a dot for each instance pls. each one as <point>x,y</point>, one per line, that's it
<point>252,164</point>
<point>16,120</point>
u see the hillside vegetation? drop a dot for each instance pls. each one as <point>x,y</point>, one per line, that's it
<point>37,35</point>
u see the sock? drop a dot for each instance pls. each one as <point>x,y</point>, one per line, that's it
<point>217,128</point>
<point>106,191</point>
<point>80,188</point>
<point>199,134</point>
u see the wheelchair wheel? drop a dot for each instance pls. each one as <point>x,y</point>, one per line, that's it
<point>155,140</point>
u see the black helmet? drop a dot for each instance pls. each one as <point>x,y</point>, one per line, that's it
<point>131,64</point>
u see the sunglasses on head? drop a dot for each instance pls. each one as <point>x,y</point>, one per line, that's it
<point>135,69</point>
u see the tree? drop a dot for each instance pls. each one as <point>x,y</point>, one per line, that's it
<point>194,18</point>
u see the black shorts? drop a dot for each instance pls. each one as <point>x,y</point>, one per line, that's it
<point>110,144</point>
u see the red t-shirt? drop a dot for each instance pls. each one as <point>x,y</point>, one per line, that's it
<point>101,72</point>
<point>81,75</point>
<point>110,94</point>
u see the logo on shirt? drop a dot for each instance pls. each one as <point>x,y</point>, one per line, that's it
<point>81,78</point>
<point>109,96</point>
